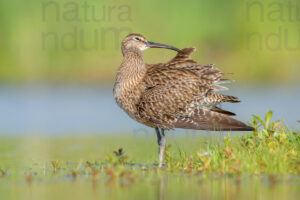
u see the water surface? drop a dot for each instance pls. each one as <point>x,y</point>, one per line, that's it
<point>57,109</point>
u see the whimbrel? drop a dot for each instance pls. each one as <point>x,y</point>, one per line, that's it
<point>178,94</point>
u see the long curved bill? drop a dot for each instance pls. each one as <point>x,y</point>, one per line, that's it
<point>158,45</point>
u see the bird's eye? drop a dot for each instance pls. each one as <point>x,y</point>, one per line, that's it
<point>138,39</point>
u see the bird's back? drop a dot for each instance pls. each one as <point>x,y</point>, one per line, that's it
<point>182,94</point>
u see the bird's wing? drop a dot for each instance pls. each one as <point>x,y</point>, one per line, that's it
<point>184,55</point>
<point>163,104</point>
<point>207,73</point>
<point>168,94</point>
<point>209,78</point>
<point>203,119</point>
<point>169,107</point>
<point>182,94</point>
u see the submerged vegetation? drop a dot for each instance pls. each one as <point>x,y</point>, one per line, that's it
<point>269,155</point>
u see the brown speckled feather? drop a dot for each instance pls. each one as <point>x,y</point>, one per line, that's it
<point>181,94</point>
<point>178,94</point>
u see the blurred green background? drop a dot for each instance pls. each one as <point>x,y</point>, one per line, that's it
<point>58,60</point>
<point>79,41</point>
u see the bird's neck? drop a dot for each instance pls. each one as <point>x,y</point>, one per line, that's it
<point>132,69</point>
<point>127,88</point>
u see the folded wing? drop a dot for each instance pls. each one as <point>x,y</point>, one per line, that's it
<point>182,94</point>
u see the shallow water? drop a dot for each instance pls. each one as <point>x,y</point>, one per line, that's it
<point>56,110</point>
<point>30,174</point>
<point>153,187</point>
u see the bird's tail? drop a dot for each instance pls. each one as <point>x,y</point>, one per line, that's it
<point>203,119</point>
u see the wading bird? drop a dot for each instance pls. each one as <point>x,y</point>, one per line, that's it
<point>178,94</point>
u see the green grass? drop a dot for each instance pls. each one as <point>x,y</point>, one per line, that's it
<point>271,150</point>
<point>263,164</point>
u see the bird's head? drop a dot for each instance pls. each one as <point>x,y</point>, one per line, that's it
<point>138,42</point>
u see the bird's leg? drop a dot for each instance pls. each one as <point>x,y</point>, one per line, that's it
<point>161,140</point>
<point>162,146</point>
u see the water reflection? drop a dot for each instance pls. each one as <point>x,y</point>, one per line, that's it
<point>161,195</point>
<point>224,187</point>
<point>56,110</point>
<point>135,183</point>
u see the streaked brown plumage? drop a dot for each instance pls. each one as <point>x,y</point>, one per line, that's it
<point>178,94</point>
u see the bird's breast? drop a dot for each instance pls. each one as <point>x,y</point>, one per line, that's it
<point>127,96</point>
